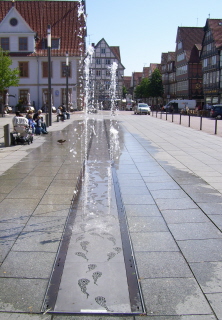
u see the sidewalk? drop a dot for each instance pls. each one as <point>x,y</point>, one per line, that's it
<point>171,182</point>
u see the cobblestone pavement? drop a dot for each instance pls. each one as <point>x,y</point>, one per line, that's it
<point>170,178</point>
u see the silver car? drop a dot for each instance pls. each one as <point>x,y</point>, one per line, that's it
<point>142,108</point>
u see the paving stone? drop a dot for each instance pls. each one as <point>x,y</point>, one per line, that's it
<point>201,250</point>
<point>216,208</point>
<point>217,220</point>
<point>44,224</point>
<point>27,265</point>
<point>22,295</point>
<point>215,300</point>
<point>184,215</point>
<point>174,296</point>
<point>166,204</point>
<point>186,231</point>
<point>208,275</point>
<point>52,210</point>
<point>38,241</point>
<point>168,194</point>
<point>182,317</point>
<point>153,241</point>
<point>172,185</point>
<point>24,316</point>
<point>162,265</point>
<point>131,190</point>
<point>137,199</point>
<point>146,224</point>
<point>142,210</point>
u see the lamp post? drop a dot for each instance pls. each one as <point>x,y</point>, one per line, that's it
<point>67,84</point>
<point>49,44</point>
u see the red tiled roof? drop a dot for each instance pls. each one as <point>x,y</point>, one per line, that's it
<point>61,15</point>
<point>215,26</point>
<point>116,52</point>
<point>189,36</point>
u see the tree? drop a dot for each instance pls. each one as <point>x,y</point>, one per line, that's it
<point>156,85</point>
<point>124,92</point>
<point>143,89</point>
<point>8,77</point>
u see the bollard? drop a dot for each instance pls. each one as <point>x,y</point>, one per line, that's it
<point>161,115</point>
<point>215,132</point>
<point>47,120</point>
<point>7,138</point>
<point>166,115</point>
<point>156,114</point>
<point>189,121</point>
<point>172,116</point>
<point>180,118</point>
<point>201,122</point>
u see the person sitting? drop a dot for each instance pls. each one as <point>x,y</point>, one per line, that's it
<point>20,124</point>
<point>32,123</point>
<point>43,124</point>
<point>38,128</point>
<point>63,109</point>
<point>60,114</point>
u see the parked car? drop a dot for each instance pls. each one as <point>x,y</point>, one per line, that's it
<point>216,111</point>
<point>141,108</point>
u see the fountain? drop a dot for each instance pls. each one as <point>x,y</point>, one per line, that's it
<point>94,266</point>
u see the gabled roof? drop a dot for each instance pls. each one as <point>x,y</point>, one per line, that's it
<point>114,49</point>
<point>189,36</point>
<point>61,15</point>
<point>215,25</point>
<point>164,57</point>
<point>116,52</point>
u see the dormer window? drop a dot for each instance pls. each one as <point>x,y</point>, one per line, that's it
<point>55,43</point>
<point>23,44</point>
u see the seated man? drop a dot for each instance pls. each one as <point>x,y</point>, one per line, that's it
<point>20,124</point>
<point>43,124</point>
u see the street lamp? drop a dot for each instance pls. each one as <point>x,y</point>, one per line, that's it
<point>67,75</point>
<point>49,44</point>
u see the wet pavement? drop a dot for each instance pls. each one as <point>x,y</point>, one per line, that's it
<point>170,179</point>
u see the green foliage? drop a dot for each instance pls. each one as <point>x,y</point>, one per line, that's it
<point>156,85</point>
<point>152,87</point>
<point>8,77</point>
<point>124,91</point>
<point>142,90</point>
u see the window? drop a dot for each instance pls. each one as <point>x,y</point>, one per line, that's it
<point>205,63</point>
<point>98,61</point>
<point>182,86</point>
<point>209,46</point>
<point>213,60</point>
<point>179,45</point>
<point>64,95</point>
<point>64,69</point>
<point>98,72</point>
<point>103,50</point>
<point>107,61</point>
<point>55,44</point>
<point>45,69</point>
<point>23,96</point>
<point>181,57</point>
<point>23,44</point>
<point>5,43</point>
<point>107,73</point>
<point>24,69</point>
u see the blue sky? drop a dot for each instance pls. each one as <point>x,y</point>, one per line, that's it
<point>143,29</point>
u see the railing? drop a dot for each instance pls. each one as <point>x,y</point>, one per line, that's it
<point>196,120</point>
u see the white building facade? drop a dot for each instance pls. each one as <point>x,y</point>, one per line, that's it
<point>104,56</point>
<point>28,51</point>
